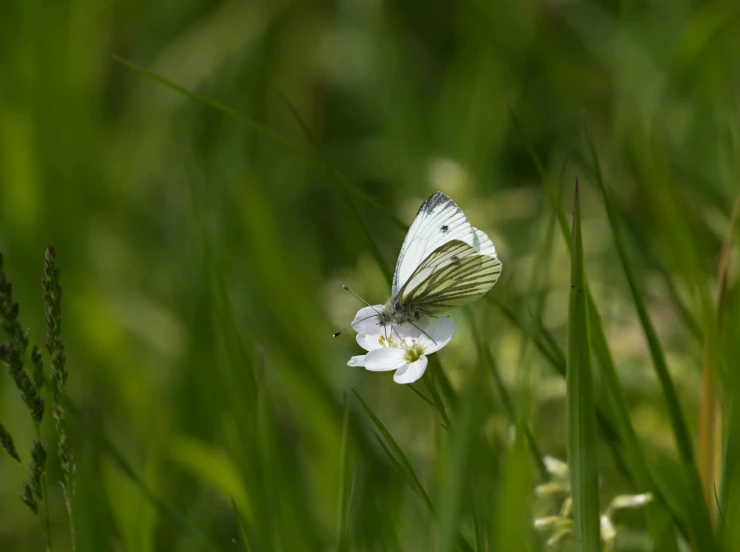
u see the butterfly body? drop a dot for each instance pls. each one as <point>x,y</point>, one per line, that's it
<point>396,311</point>
<point>444,262</point>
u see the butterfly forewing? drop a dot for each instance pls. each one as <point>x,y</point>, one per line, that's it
<point>438,221</point>
<point>452,275</point>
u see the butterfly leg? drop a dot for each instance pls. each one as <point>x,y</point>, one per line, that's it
<point>422,331</point>
<point>400,339</point>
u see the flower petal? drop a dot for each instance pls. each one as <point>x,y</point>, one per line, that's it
<point>381,360</point>
<point>412,372</point>
<point>409,330</point>
<point>366,320</point>
<point>357,361</point>
<point>369,342</point>
<point>440,331</point>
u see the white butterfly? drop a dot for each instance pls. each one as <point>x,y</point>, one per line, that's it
<point>444,262</point>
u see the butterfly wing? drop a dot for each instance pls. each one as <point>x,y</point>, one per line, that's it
<point>438,221</point>
<point>453,274</point>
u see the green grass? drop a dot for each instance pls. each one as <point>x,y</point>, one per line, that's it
<point>211,174</point>
<point>582,455</point>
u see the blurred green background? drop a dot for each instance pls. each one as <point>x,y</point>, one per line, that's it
<point>202,262</point>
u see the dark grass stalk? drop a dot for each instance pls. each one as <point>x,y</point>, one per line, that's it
<point>38,367</point>
<point>52,293</point>
<point>13,354</point>
<point>582,458</point>
<point>6,441</point>
<point>709,449</point>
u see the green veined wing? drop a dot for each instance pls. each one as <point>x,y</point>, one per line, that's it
<point>452,275</point>
<point>438,221</point>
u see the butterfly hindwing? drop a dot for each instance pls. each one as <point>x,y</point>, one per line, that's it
<point>453,274</point>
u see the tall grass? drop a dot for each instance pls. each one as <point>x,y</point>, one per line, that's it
<point>212,173</point>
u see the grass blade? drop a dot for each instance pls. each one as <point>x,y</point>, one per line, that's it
<point>485,356</point>
<point>544,344</point>
<point>431,385</point>
<point>708,447</point>
<point>117,458</point>
<point>242,540</point>
<point>346,187</point>
<point>650,256</point>
<point>678,423</point>
<point>421,395</point>
<point>263,130</point>
<point>582,460</point>
<point>398,455</point>
<point>342,507</point>
<point>446,390</point>
<point>701,524</point>
<point>628,448</point>
<point>341,178</point>
<point>455,472</point>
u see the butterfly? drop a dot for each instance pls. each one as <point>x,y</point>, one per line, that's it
<point>445,262</point>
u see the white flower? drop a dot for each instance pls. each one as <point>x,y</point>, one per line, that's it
<point>401,347</point>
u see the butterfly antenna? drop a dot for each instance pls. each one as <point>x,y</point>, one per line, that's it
<point>360,298</point>
<point>337,334</point>
<point>340,332</point>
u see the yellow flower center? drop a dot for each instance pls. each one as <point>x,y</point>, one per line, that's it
<point>386,342</point>
<point>413,351</point>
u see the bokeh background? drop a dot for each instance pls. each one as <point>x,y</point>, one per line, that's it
<point>202,261</point>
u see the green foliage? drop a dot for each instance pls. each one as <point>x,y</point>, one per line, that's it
<point>212,173</point>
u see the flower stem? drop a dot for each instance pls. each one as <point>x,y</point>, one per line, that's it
<point>432,387</point>
<point>45,501</point>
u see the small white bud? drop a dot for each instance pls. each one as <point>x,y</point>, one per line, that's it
<point>608,532</point>
<point>556,467</point>
<point>630,501</point>
<point>548,523</point>
<point>567,508</point>
<point>557,536</point>
<point>551,488</point>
